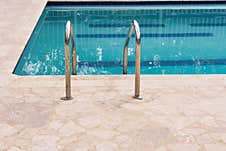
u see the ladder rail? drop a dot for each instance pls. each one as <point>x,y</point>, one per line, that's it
<point>134,27</point>
<point>69,35</point>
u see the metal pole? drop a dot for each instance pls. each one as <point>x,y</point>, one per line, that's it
<point>137,75</point>
<point>134,26</point>
<point>125,59</point>
<point>67,62</point>
<point>74,72</point>
<point>74,59</point>
<point>125,52</point>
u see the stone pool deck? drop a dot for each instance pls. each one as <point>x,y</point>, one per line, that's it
<point>178,112</point>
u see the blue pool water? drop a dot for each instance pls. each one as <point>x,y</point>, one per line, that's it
<point>180,39</point>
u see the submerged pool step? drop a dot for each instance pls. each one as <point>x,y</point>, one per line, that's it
<point>156,35</point>
<point>208,24</point>
<point>123,25</point>
<point>201,62</point>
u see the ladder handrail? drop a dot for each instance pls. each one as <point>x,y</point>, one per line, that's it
<point>134,26</point>
<point>69,35</point>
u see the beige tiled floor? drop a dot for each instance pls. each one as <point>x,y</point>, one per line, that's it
<point>178,113</point>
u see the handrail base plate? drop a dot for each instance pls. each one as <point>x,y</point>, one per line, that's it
<point>66,98</point>
<point>138,97</point>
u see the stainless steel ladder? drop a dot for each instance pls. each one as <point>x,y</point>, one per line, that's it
<point>69,35</point>
<point>134,26</point>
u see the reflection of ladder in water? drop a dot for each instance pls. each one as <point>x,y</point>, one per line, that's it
<point>70,35</point>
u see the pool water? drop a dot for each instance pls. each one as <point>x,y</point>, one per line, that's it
<point>182,39</point>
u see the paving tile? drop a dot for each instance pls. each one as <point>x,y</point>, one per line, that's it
<point>184,147</point>
<point>70,128</point>
<point>44,143</point>
<point>217,146</point>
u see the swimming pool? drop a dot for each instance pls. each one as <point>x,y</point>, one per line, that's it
<point>175,39</point>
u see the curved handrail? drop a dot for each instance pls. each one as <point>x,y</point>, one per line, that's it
<point>69,35</point>
<point>134,26</point>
